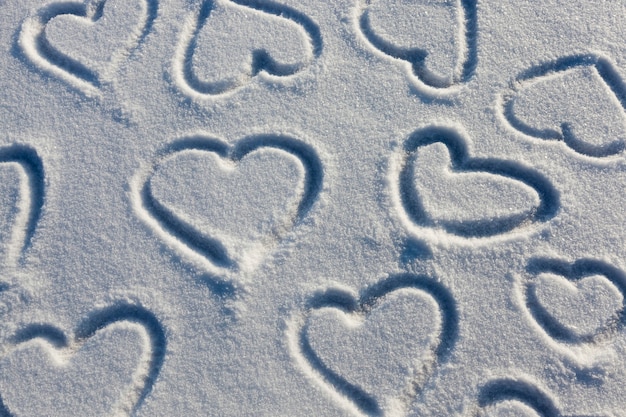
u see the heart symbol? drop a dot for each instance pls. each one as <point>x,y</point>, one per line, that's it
<point>85,43</point>
<point>551,102</point>
<point>441,187</point>
<point>229,43</point>
<point>576,303</point>
<point>563,301</point>
<point>379,351</point>
<point>425,36</point>
<point>227,205</point>
<point>22,191</point>
<point>108,369</point>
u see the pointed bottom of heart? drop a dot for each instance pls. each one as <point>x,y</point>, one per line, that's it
<point>378,352</point>
<point>100,376</point>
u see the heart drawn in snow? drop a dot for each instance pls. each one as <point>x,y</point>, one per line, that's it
<point>231,42</point>
<point>442,188</point>
<point>85,43</point>
<point>227,205</point>
<point>552,102</point>
<point>435,40</point>
<point>379,351</point>
<point>576,303</point>
<point>108,369</point>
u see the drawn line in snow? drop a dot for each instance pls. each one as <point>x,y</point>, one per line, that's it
<point>414,58</point>
<point>411,188</point>
<point>364,307</point>
<point>577,272</point>
<point>4,411</point>
<point>199,245</point>
<point>261,58</point>
<point>53,335</point>
<point>98,321</point>
<point>36,48</point>
<point>564,130</point>
<point>32,198</point>
<point>508,389</point>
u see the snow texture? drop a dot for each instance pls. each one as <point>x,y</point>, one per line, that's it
<point>312,208</point>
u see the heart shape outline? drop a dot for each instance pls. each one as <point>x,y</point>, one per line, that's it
<point>413,60</point>
<point>575,271</point>
<point>32,198</point>
<point>95,322</point>
<point>182,70</point>
<point>345,301</point>
<point>208,253</point>
<point>38,51</point>
<point>608,73</point>
<point>408,204</point>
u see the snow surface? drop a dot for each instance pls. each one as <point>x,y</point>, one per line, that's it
<point>312,208</point>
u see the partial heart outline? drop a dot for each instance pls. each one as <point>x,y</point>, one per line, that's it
<point>37,50</point>
<point>409,205</point>
<point>32,198</point>
<point>520,389</point>
<point>183,72</point>
<point>575,271</point>
<point>96,321</point>
<point>184,238</point>
<point>414,59</point>
<point>608,73</point>
<point>345,301</point>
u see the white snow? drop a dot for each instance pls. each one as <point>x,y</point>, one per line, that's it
<point>312,208</point>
